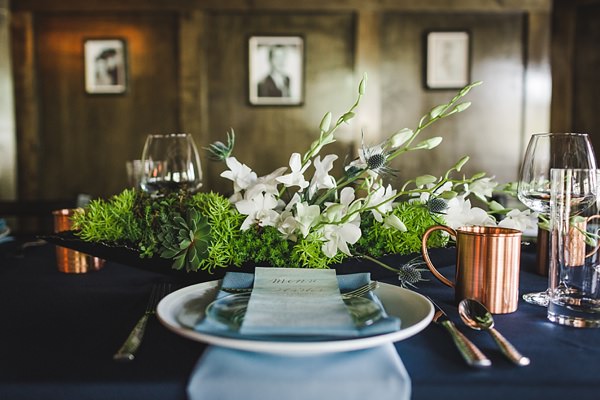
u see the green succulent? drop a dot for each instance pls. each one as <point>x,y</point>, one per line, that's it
<point>185,240</point>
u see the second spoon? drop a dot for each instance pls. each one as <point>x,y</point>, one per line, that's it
<point>476,316</point>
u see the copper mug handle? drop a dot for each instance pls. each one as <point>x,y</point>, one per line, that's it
<point>425,253</point>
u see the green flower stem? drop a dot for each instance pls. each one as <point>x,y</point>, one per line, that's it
<point>327,137</point>
<point>376,261</point>
<point>340,183</point>
<point>442,114</point>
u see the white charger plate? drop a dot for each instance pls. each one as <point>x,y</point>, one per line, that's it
<point>180,310</point>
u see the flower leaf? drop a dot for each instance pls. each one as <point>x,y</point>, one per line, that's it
<point>428,144</point>
<point>461,163</point>
<point>448,194</point>
<point>400,137</point>
<point>325,123</point>
<point>362,87</point>
<point>462,106</point>
<point>348,116</point>
<point>437,111</point>
<point>425,180</point>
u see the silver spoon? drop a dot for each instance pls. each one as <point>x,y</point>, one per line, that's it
<point>476,316</point>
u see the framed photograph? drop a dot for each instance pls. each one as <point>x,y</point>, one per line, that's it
<point>105,66</point>
<point>276,70</point>
<point>447,59</point>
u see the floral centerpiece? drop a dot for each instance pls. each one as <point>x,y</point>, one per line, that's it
<point>300,215</point>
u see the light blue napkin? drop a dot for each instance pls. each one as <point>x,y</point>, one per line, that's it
<point>239,280</point>
<point>226,374</point>
<point>4,232</point>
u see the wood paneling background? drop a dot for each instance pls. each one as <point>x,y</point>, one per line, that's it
<point>87,138</point>
<point>586,85</point>
<point>490,132</point>
<point>188,72</point>
<point>266,136</point>
<point>575,65</point>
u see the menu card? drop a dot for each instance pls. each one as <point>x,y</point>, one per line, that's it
<point>296,301</point>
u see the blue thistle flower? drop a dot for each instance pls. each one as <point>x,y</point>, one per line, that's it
<point>437,205</point>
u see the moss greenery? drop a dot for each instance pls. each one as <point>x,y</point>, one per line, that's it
<point>202,232</point>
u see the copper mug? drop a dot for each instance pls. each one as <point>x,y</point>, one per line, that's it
<point>487,265</point>
<point>72,261</point>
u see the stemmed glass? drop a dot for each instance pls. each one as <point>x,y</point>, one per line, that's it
<point>544,152</point>
<point>170,163</point>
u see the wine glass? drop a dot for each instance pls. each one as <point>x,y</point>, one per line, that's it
<point>170,163</point>
<point>544,152</point>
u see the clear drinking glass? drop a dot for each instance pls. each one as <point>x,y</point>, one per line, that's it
<point>170,163</point>
<point>544,152</point>
<point>574,276</point>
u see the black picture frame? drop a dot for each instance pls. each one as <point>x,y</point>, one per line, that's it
<point>105,65</point>
<point>276,70</point>
<point>447,59</point>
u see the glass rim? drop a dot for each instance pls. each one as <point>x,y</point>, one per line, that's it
<point>560,134</point>
<point>167,135</point>
<point>574,169</point>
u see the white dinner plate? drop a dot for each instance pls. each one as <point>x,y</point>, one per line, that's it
<point>180,310</point>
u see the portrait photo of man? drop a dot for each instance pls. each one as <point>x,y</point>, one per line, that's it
<point>277,82</point>
<point>105,69</point>
<point>276,70</point>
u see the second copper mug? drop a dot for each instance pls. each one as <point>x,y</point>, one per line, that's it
<point>72,261</point>
<point>487,265</point>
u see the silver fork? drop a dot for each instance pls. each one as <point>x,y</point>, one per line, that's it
<point>353,293</point>
<point>361,290</point>
<point>133,341</point>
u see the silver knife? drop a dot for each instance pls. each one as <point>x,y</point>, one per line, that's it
<point>472,355</point>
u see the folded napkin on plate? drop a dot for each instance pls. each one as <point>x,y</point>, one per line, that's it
<point>239,280</point>
<point>226,374</point>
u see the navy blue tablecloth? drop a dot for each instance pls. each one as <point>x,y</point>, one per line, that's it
<point>59,332</point>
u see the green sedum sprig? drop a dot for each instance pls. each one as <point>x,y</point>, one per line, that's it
<point>110,220</point>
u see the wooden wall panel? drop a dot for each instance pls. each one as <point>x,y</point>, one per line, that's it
<point>266,136</point>
<point>188,72</point>
<point>491,130</point>
<point>86,139</point>
<point>586,81</point>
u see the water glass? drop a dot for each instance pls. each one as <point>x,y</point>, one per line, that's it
<point>574,276</point>
<point>170,163</point>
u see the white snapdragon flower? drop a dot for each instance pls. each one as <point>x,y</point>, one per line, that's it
<point>381,198</point>
<point>241,175</point>
<point>287,225</point>
<point>259,210</point>
<point>482,188</point>
<point>520,220</point>
<point>321,179</point>
<point>293,201</point>
<point>338,236</point>
<point>460,213</point>
<point>296,177</point>
<point>392,221</point>
<point>336,211</point>
<point>307,216</point>
<point>265,184</point>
